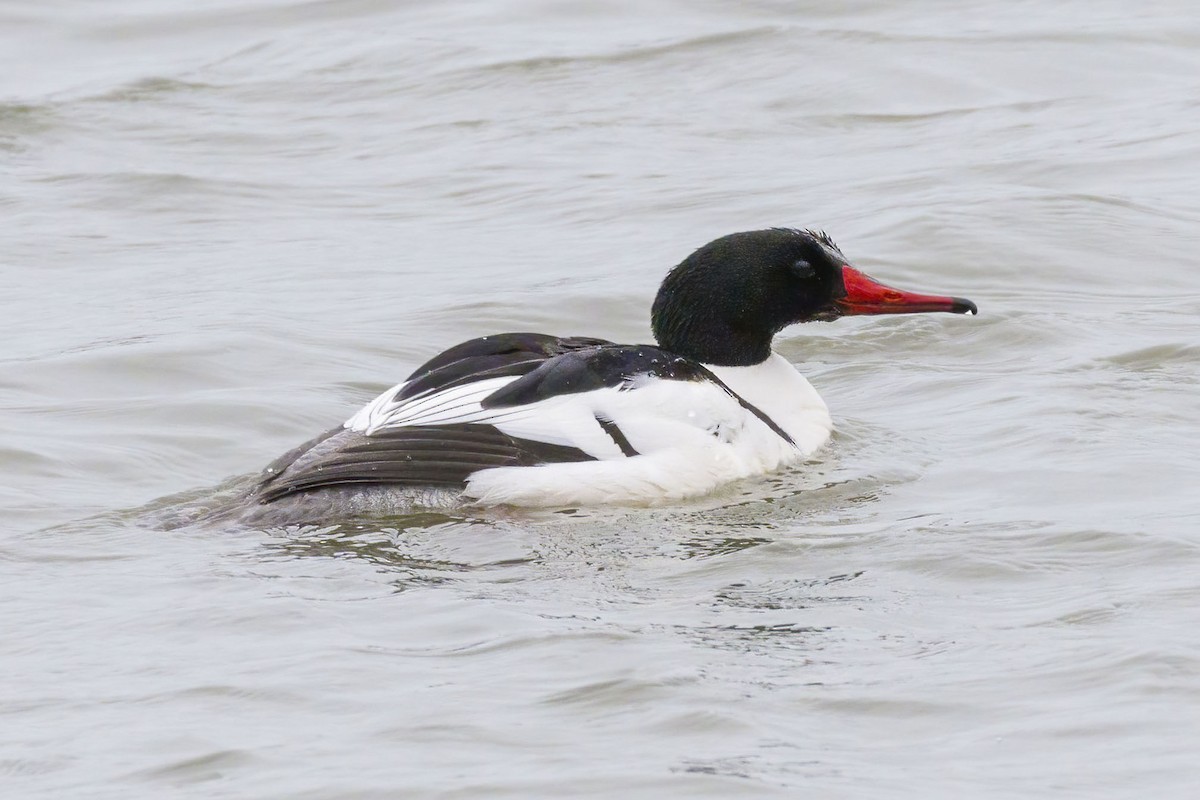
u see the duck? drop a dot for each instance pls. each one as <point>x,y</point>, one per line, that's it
<point>535,420</point>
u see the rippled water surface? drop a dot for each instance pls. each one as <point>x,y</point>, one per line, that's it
<point>226,225</point>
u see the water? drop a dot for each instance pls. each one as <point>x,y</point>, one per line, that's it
<point>228,226</point>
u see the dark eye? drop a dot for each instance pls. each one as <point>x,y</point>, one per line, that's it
<point>804,270</point>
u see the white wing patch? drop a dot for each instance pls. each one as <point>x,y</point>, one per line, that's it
<point>564,420</point>
<point>458,404</point>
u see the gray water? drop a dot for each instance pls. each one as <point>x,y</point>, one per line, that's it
<point>227,225</point>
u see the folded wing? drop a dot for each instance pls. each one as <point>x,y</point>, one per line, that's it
<point>518,399</point>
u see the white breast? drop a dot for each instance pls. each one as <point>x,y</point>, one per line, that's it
<point>784,395</point>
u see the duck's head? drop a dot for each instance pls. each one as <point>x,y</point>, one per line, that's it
<point>725,302</point>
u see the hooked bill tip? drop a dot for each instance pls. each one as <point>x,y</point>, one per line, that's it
<point>961,305</point>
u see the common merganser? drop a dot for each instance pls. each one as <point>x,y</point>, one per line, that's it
<point>535,420</point>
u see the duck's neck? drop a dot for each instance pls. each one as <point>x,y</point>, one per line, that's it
<point>710,339</point>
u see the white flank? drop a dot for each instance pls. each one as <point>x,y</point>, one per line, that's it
<point>775,388</point>
<point>692,437</point>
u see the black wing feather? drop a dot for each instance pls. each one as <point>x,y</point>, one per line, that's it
<point>441,455</point>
